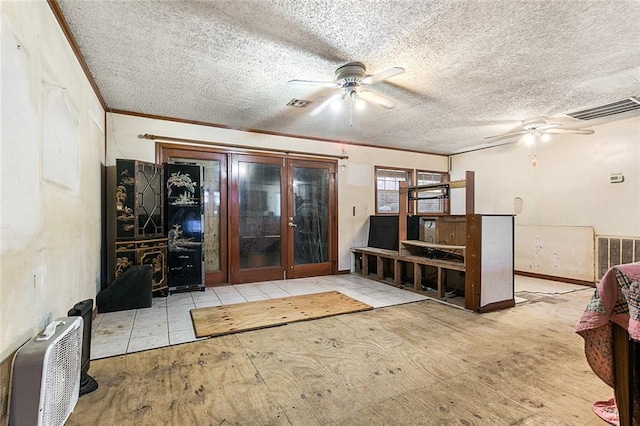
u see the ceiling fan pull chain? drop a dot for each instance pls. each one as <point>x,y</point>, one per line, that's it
<point>350,113</point>
<point>532,149</point>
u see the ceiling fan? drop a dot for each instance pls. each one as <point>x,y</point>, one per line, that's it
<point>540,129</point>
<point>352,78</point>
<point>540,126</point>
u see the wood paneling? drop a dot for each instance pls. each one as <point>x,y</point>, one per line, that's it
<point>451,230</point>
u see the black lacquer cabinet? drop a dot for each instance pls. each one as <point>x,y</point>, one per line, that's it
<point>136,224</point>
<point>184,214</point>
<point>139,202</point>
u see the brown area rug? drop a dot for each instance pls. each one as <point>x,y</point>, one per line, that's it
<point>219,320</point>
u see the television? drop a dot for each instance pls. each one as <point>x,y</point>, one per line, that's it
<point>383,231</point>
<point>84,309</point>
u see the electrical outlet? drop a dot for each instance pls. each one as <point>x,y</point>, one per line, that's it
<point>617,178</point>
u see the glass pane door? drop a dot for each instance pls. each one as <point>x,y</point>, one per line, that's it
<point>215,208</point>
<point>310,217</point>
<point>272,219</point>
<point>256,219</point>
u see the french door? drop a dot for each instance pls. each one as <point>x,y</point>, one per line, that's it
<point>282,218</point>
<point>311,218</point>
<point>266,217</point>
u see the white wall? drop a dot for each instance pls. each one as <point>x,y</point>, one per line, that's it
<point>52,157</point>
<point>570,187</point>
<point>355,179</point>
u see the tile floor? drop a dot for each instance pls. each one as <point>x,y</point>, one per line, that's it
<point>168,320</point>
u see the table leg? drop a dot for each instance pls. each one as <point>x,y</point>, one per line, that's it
<point>623,371</point>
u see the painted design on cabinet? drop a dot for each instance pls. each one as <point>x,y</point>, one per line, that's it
<point>125,216</point>
<point>157,260</point>
<point>184,224</point>
<point>179,243</point>
<point>181,180</point>
<point>122,263</point>
<point>149,252</point>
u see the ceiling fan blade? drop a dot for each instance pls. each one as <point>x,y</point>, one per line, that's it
<point>376,99</point>
<point>332,84</point>
<point>324,102</point>
<point>507,135</point>
<point>569,131</point>
<point>383,75</point>
<point>549,126</point>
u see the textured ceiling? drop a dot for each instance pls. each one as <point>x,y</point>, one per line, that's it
<point>473,68</point>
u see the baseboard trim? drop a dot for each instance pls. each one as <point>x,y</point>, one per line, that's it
<point>554,278</point>
<point>344,271</point>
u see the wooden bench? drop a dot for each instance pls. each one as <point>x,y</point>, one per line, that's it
<point>380,255</point>
<point>415,260</point>
<point>414,251</point>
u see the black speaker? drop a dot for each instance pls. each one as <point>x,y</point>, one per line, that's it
<point>413,227</point>
<point>84,309</point>
<point>383,231</point>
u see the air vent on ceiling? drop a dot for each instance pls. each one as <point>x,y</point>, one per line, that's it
<point>625,105</point>
<point>298,103</point>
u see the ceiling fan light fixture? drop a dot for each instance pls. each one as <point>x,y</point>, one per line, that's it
<point>352,78</point>
<point>529,138</point>
<point>358,102</point>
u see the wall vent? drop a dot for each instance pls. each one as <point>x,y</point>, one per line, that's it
<point>298,103</point>
<point>612,251</point>
<point>625,105</point>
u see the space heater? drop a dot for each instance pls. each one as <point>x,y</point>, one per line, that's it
<point>45,380</point>
<point>84,309</point>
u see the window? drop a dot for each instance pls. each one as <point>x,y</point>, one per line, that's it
<point>387,189</point>
<point>436,205</point>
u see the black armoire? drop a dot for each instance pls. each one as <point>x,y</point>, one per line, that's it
<point>184,218</point>
<point>136,233</point>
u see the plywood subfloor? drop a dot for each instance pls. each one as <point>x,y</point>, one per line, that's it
<point>220,320</point>
<point>421,363</point>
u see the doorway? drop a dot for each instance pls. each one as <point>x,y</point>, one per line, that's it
<point>311,218</point>
<point>266,217</point>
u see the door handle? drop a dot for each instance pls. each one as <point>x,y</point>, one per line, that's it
<point>292,225</point>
